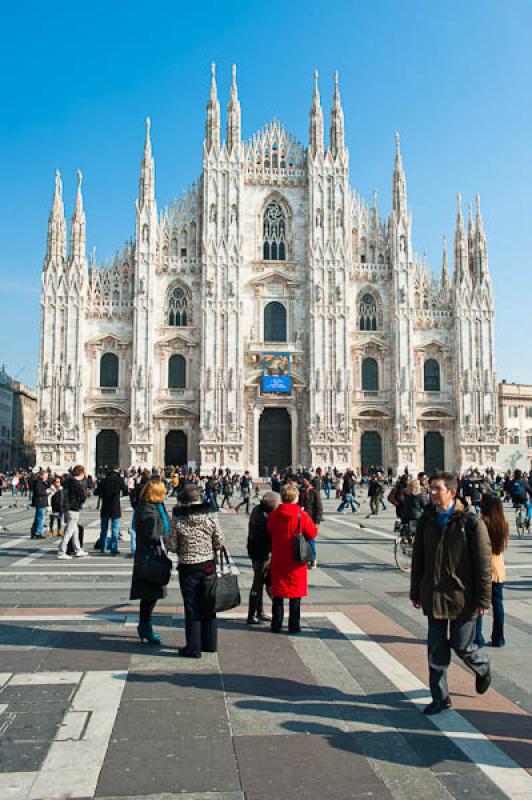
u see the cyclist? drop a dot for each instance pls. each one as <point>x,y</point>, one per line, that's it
<point>519,490</point>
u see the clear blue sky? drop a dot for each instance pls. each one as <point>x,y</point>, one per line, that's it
<point>454,78</point>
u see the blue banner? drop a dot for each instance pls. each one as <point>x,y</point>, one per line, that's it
<point>276,372</point>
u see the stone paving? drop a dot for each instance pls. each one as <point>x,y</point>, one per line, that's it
<point>87,711</point>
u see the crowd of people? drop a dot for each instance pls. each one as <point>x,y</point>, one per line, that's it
<point>458,569</point>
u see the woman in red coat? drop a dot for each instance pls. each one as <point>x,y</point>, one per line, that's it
<point>289,578</point>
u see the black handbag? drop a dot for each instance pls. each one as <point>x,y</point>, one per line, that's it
<point>220,588</point>
<point>154,566</point>
<point>302,548</point>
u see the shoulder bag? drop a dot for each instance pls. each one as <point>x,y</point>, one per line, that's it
<point>220,588</point>
<point>302,549</point>
<point>154,566</point>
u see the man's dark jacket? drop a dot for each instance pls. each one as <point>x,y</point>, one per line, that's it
<point>39,498</point>
<point>109,491</point>
<point>451,568</point>
<point>310,501</point>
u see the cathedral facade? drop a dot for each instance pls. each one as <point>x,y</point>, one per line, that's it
<point>269,316</point>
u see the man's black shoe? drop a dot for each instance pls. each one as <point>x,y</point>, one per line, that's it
<point>482,682</point>
<point>437,705</point>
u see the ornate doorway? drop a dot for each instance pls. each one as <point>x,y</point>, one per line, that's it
<point>275,439</point>
<point>371,450</point>
<point>434,448</point>
<point>107,447</point>
<point>175,449</point>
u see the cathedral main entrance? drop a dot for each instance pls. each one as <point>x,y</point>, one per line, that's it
<point>275,439</point>
<point>107,450</point>
<point>175,449</point>
<point>371,450</point>
<point>434,452</point>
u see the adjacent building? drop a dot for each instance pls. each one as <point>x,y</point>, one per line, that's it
<point>6,418</point>
<point>268,316</point>
<point>23,425</point>
<point>515,413</point>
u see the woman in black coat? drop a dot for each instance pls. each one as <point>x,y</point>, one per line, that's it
<point>151,522</point>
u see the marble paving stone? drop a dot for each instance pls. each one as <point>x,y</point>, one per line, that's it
<point>170,685</point>
<point>310,767</point>
<point>22,756</point>
<point>149,659</point>
<point>37,694</point>
<point>72,726</point>
<point>63,784</point>
<point>16,785</point>
<point>259,716</point>
<point>46,678</point>
<point>143,720</point>
<point>181,796</point>
<point>197,764</point>
<point>86,660</point>
<point>22,660</point>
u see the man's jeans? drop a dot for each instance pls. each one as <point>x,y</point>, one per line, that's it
<point>38,524</point>
<point>439,645</point>
<point>347,500</point>
<point>115,531</point>
<point>133,535</point>
<point>327,490</point>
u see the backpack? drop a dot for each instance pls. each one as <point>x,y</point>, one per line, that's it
<point>518,491</point>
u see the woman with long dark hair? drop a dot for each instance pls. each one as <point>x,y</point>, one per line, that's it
<point>492,513</point>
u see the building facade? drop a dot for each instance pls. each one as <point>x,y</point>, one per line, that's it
<point>6,418</point>
<point>515,414</point>
<point>23,425</point>
<point>159,357</point>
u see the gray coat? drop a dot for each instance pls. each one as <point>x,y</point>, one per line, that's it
<point>149,527</point>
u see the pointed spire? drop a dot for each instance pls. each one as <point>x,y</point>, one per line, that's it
<point>479,222</point>
<point>212,125</point>
<point>77,228</point>
<point>399,201</point>
<point>445,266</point>
<point>316,120</point>
<point>336,139</point>
<point>480,244</point>
<point>147,170</point>
<point>56,245</point>
<point>233,116</point>
<point>460,243</point>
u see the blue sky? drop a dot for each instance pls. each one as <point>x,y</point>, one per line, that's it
<point>454,78</point>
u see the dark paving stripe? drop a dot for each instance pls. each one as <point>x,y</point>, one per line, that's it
<point>22,756</point>
<point>37,694</point>
<point>313,767</point>
<point>189,764</point>
<point>171,686</point>
<point>143,720</point>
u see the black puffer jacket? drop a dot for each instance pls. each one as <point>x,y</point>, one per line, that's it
<point>259,540</point>
<point>150,528</point>
<point>39,497</point>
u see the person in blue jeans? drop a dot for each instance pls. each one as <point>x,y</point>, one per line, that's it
<point>110,491</point>
<point>39,501</point>
<point>310,501</point>
<point>492,514</point>
<point>348,492</point>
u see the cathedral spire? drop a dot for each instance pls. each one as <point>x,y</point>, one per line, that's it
<point>212,125</point>
<point>445,266</point>
<point>336,139</point>
<point>480,244</point>
<point>316,120</point>
<point>233,116</point>
<point>77,228</point>
<point>460,243</point>
<point>56,245</point>
<point>147,170</point>
<point>399,203</point>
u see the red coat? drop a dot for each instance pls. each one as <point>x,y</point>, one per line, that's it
<point>289,578</point>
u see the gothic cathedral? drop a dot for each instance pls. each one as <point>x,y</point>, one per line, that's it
<point>267,317</point>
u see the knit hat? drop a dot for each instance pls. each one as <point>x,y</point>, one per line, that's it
<point>190,494</point>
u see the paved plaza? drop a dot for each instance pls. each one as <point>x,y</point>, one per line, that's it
<point>86,711</point>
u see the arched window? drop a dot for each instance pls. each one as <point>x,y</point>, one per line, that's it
<point>275,323</point>
<point>370,375</point>
<point>431,375</point>
<point>183,243</point>
<point>177,372</point>
<point>274,233</point>
<point>109,371</point>
<point>178,307</point>
<point>174,247</point>
<point>367,313</point>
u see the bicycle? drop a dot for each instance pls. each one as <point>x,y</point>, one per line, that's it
<point>521,520</point>
<point>404,544</point>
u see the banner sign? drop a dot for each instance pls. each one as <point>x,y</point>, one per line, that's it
<point>276,372</point>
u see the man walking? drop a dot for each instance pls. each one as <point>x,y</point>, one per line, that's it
<point>39,501</point>
<point>73,499</point>
<point>110,491</point>
<point>451,582</point>
<point>348,493</point>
